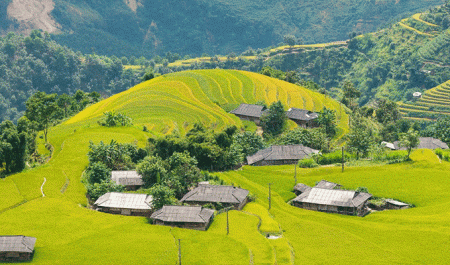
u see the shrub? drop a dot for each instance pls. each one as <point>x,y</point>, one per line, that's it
<point>162,195</point>
<point>113,119</point>
<point>307,163</point>
<point>333,158</point>
<point>94,191</point>
<point>97,172</point>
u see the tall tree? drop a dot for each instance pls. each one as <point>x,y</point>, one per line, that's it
<point>273,122</point>
<point>42,108</point>
<point>409,140</point>
<point>327,120</point>
<point>350,94</point>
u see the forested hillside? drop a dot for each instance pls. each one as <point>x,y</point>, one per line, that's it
<point>36,63</point>
<point>144,27</point>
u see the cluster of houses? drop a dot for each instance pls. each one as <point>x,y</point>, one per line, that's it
<point>251,112</point>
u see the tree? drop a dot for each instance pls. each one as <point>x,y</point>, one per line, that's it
<point>94,191</point>
<point>289,40</point>
<point>360,137</point>
<point>162,195</point>
<point>350,93</point>
<point>41,108</point>
<point>387,111</point>
<point>152,170</point>
<point>246,144</point>
<point>409,140</point>
<point>13,147</point>
<point>327,120</point>
<point>274,121</point>
<point>441,129</point>
<point>97,172</point>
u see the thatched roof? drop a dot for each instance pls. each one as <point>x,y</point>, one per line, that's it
<point>249,110</point>
<point>323,184</point>
<point>127,178</point>
<point>183,214</point>
<point>22,244</point>
<point>125,201</point>
<point>216,193</point>
<point>425,143</point>
<point>301,187</point>
<point>342,198</point>
<point>281,152</point>
<point>301,114</point>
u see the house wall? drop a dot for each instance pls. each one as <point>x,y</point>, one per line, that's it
<point>306,124</point>
<point>276,162</point>
<point>196,226</point>
<point>8,256</point>
<point>329,208</point>
<point>128,212</point>
<point>395,207</point>
<point>132,187</point>
<point>248,118</point>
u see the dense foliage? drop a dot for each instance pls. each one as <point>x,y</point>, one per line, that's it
<point>16,144</point>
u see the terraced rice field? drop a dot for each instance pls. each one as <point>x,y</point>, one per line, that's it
<point>69,233</point>
<point>435,101</point>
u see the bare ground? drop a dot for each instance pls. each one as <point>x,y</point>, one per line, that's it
<point>33,14</point>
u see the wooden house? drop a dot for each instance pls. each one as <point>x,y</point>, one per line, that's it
<point>303,118</point>
<point>424,143</point>
<point>301,188</point>
<point>396,205</point>
<point>125,204</point>
<point>193,217</point>
<point>226,195</point>
<point>333,201</point>
<point>16,248</point>
<point>130,179</point>
<point>280,155</point>
<point>249,112</point>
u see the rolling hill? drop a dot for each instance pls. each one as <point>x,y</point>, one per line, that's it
<point>144,27</point>
<point>69,233</point>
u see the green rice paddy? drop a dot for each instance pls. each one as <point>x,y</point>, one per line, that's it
<point>69,233</point>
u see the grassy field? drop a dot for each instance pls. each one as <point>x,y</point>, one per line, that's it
<point>70,233</point>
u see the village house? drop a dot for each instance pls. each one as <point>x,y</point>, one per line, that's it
<point>327,197</point>
<point>226,195</point>
<point>130,179</point>
<point>280,155</point>
<point>301,188</point>
<point>16,248</point>
<point>303,118</point>
<point>193,217</point>
<point>396,205</point>
<point>249,112</point>
<point>424,143</point>
<point>125,204</point>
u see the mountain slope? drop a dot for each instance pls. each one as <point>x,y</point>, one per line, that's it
<point>145,27</point>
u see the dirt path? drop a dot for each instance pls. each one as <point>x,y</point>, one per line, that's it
<point>33,14</point>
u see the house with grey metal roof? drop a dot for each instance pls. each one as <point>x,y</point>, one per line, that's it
<point>323,184</point>
<point>280,155</point>
<point>249,112</point>
<point>193,217</point>
<point>425,143</point>
<point>125,204</point>
<point>303,118</point>
<point>301,188</point>
<point>333,201</point>
<point>226,195</point>
<point>396,205</point>
<point>16,248</point>
<point>130,179</point>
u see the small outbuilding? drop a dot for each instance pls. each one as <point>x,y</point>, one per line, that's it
<point>323,184</point>
<point>301,188</point>
<point>425,143</point>
<point>192,217</point>
<point>333,201</point>
<point>249,112</point>
<point>396,205</point>
<point>417,95</point>
<point>226,195</point>
<point>280,155</point>
<point>130,179</point>
<point>125,204</point>
<point>303,118</point>
<point>16,248</point>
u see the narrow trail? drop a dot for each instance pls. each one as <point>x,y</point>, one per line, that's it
<point>42,187</point>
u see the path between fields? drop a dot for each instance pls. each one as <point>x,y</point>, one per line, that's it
<point>42,187</point>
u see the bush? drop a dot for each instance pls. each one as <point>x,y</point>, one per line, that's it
<point>307,163</point>
<point>97,172</point>
<point>113,119</point>
<point>333,158</point>
<point>94,191</point>
<point>443,154</point>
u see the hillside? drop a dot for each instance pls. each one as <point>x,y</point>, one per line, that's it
<point>144,27</point>
<point>69,233</point>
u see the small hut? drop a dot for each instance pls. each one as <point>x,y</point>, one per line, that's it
<point>301,188</point>
<point>16,248</point>
<point>130,179</point>
<point>280,155</point>
<point>303,118</point>
<point>396,205</point>
<point>333,201</point>
<point>249,112</point>
<point>323,184</point>
<point>226,195</point>
<point>193,217</point>
<point>425,143</point>
<point>125,204</point>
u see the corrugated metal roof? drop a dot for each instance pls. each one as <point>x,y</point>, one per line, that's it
<point>22,244</point>
<point>301,114</point>
<point>343,198</point>
<point>323,184</point>
<point>127,178</point>
<point>250,110</point>
<point>398,203</point>
<point>388,145</point>
<point>425,143</point>
<point>281,152</point>
<point>302,187</point>
<point>125,201</point>
<point>216,193</point>
<point>184,214</point>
